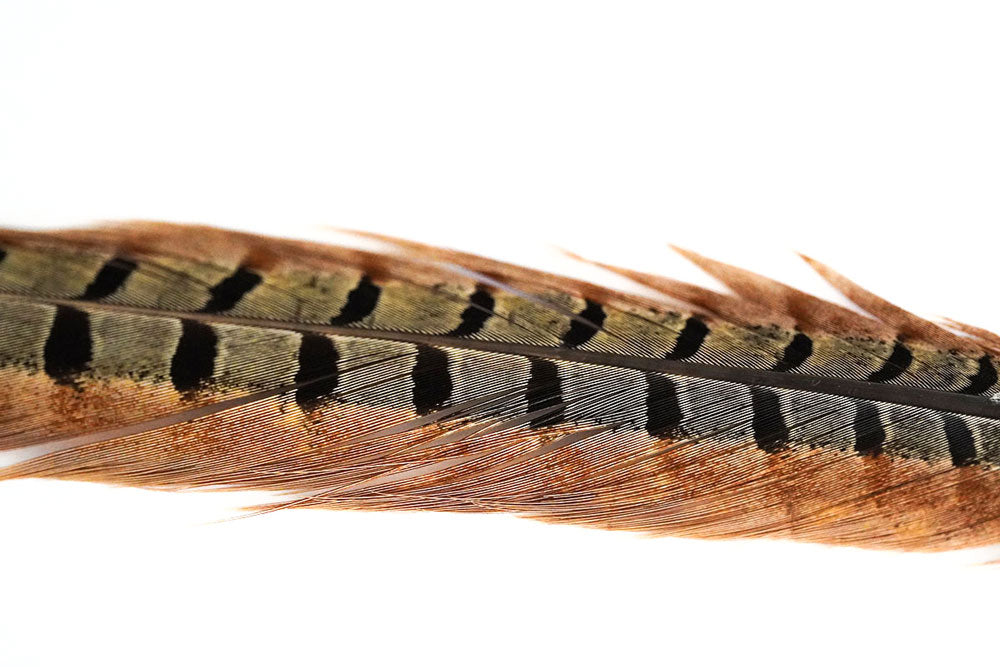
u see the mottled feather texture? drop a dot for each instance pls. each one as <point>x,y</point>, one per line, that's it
<point>175,357</point>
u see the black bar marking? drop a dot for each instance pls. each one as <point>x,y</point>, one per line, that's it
<point>318,366</point>
<point>985,378</point>
<point>193,362</point>
<point>231,289</point>
<point>109,279</point>
<point>69,348</point>
<point>544,390</point>
<point>3,254</point>
<point>432,384</point>
<point>360,303</point>
<point>795,354</point>
<point>690,339</point>
<point>769,428</point>
<point>869,434</point>
<point>474,317</point>
<point>663,408</point>
<point>961,443</point>
<point>585,326</point>
<point>895,365</point>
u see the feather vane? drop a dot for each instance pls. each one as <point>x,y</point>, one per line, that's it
<point>178,357</point>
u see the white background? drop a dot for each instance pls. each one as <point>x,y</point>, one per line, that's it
<point>865,133</point>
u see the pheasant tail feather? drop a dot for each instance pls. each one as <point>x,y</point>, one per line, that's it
<point>180,357</point>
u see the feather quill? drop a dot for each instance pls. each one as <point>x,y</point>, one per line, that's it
<point>178,357</point>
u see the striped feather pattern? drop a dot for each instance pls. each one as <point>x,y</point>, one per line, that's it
<point>420,378</point>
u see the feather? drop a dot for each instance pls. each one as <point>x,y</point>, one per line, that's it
<point>178,357</point>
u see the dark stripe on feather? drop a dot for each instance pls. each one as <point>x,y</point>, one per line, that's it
<point>869,434</point>
<point>961,443</point>
<point>985,378</point>
<point>474,317</point>
<point>544,390</point>
<point>68,348</point>
<point>318,367</point>
<point>585,326</point>
<point>231,289</point>
<point>432,385</point>
<point>769,428</point>
<point>795,354</point>
<point>360,303</point>
<point>663,409</point>
<point>109,279</point>
<point>193,362</point>
<point>690,339</point>
<point>895,365</point>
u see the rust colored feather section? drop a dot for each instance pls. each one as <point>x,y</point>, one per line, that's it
<point>906,324</point>
<point>805,309</point>
<point>180,357</point>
